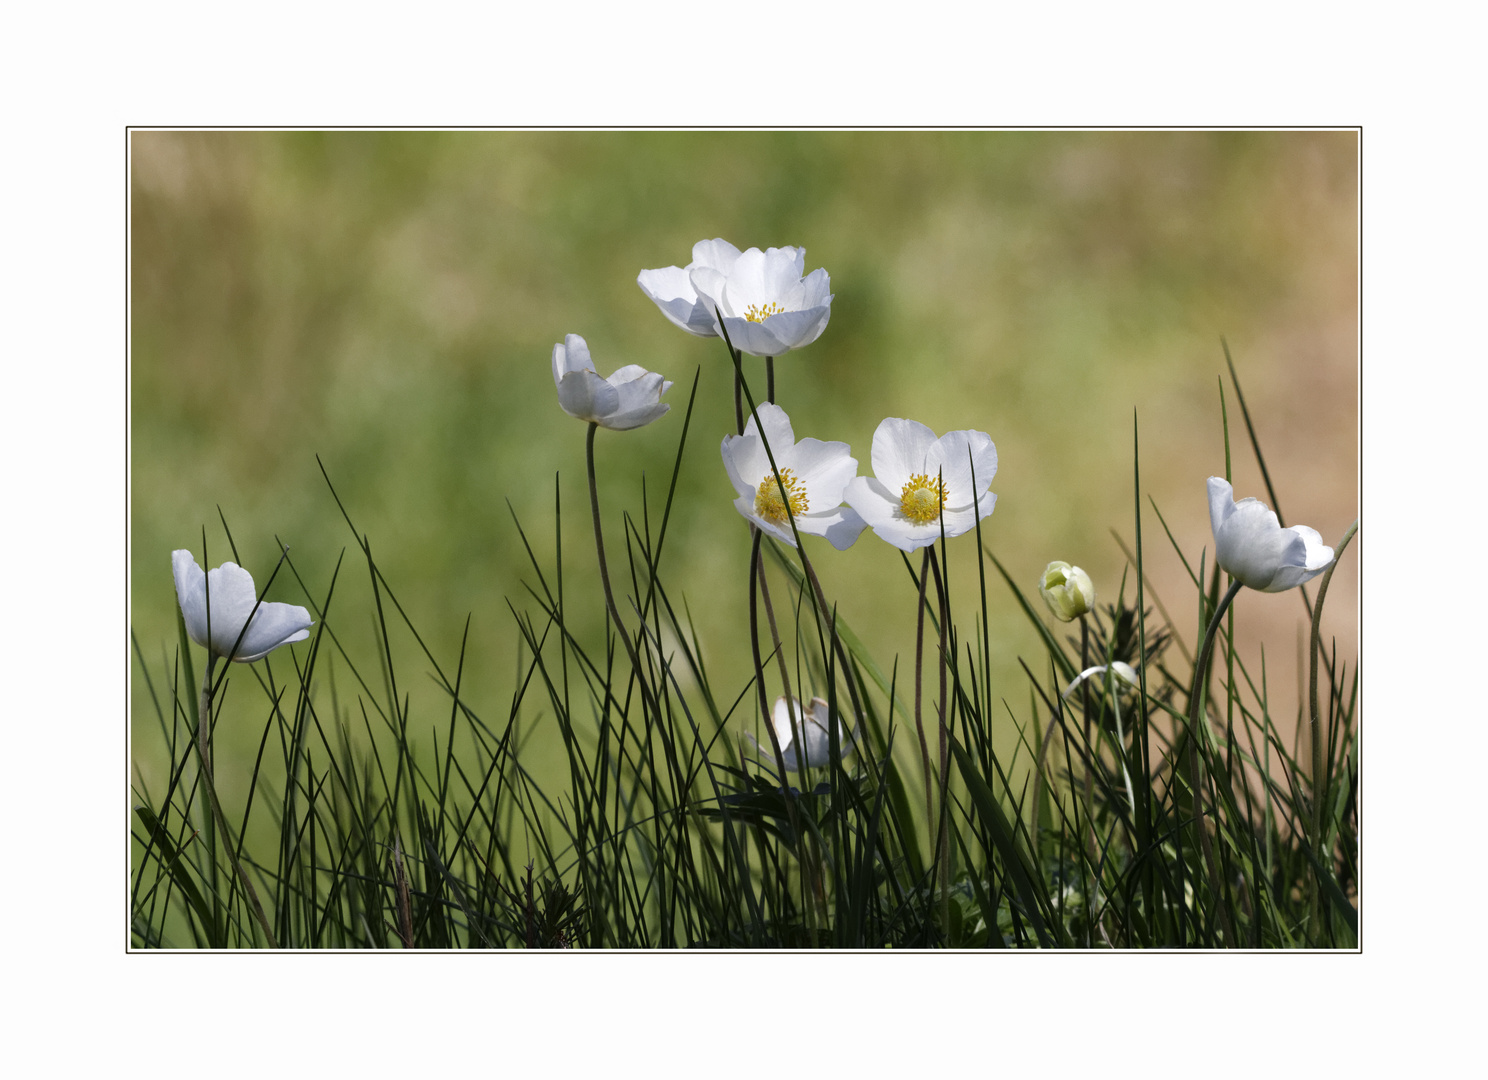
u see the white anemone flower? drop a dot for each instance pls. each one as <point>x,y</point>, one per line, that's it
<point>630,398</point>
<point>766,305</point>
<point>813,474</point>
<point>815,746</point>
<point>922,482</point>
<point>670,288</point>
<point>233,601</point>
<point>1252,547</point>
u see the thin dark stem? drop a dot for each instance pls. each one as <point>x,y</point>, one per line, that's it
<point>919,682</point>
<point>604,575</point>
<point>738,393</point>
<point>770,379</point>
<point>785,683</point>
<point>1319,772</point>
<point>942,710</point>
<point>1085,703</point>
<point>755,576</point>
<point>604,572</point>
<point>203,726</point>
<point>1196,717</point>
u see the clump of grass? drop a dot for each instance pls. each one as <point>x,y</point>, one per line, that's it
<point>1169,814</point>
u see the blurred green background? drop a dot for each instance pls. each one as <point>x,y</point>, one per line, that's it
<point>389,301</point>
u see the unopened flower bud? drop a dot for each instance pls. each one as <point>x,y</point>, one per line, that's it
<point>1067,590</point>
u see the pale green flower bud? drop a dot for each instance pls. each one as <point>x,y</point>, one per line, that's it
<point>1067,590</point>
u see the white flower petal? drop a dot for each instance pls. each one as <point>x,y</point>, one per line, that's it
<point>717,254</point>
<point>841,526</point>
<point>747,284</point>
<point>753,338</point>
<point>1221,503</point>
<point>793,329</point>
<point>670,289</point>
<point>777,430</point>
<point>824,468</point>
<point>191,594</point>
<point>816,289</point>
<point>744,458</point>
<point>639,393</point>
<point>230,599</point>
<point>782,271</point>
<point>709,283</point>
<point>899,450</point>
<point>585,396</point>
<point>273,625</point>
<point>954,456</point>
<point>572,354</point>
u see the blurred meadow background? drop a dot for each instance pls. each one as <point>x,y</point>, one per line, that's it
<point>389,301</point>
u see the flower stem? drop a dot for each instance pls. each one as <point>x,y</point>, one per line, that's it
<point>1319,738</point>
<point>203,730</point>
<point>790,702</point>
<point>604,576</point>
<point>1089,749</point>
<point>1196,718</point>
<point>738,392</point>
<point>944,843</point>
<point>770,379</point>
<point>919,680</point>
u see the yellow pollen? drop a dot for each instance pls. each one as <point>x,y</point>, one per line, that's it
<point>921,499</point>
<point>767,502</point>
<point>756,313</point>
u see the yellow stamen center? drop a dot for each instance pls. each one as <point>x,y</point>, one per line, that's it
<point>921,499</point>
<point>767,501</point>
<point>759,313</point>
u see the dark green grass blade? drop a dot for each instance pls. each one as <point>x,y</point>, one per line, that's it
<point>175,866</point>
<point>1026,879</point>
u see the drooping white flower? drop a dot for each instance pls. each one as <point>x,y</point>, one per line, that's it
<point>815,746</point>
<point>233,601</point>
<point>670,287</point>
<point>921,481</point>
<point>630,398</point>
<point>813,474</point>
<point>1067,590</point>
<point>1251,546</point>
<point>1120,669</point>
<point>766,305</point>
